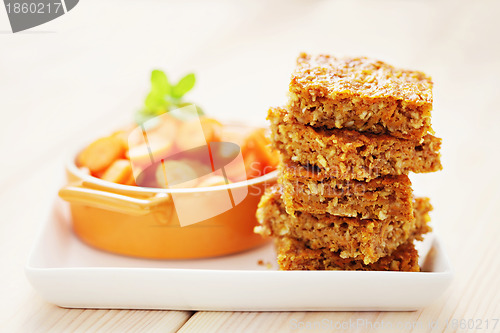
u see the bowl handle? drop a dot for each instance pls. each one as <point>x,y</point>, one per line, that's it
<point>126,204</point>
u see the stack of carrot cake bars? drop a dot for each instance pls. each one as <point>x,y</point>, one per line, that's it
<point>352,131</point>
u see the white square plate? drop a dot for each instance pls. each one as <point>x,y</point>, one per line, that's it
<point>70,274</point>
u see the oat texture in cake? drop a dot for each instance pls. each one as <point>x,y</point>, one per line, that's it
<point>295,255</point>
<point>362,94</point>
<point>349,237</point>
<point>380,198</point>
<point>348,154</point>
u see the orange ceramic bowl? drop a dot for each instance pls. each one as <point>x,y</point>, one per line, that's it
<point>142,222</point>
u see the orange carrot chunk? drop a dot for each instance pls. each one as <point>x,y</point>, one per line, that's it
<point>259,157</point>
<point>100,154</point>
<point>118,172</point>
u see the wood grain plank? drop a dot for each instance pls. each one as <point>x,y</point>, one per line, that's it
<point>48,317</point>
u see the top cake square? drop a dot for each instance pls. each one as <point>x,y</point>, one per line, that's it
<point>361,94</point>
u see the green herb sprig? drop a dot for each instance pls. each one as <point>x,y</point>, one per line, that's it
<point>165,97</point>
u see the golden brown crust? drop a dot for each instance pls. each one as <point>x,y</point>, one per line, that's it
<point>365,240</point>
<point>347,154</point>
<point>295,255</point>
<point>380,198</point>
<point>352,131</point>
<point>361,94</point>
<point>421,209</point>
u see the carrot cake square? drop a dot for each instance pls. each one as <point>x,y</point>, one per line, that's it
<point>361,94</point>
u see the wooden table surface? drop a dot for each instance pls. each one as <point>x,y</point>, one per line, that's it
<point>87,72</point>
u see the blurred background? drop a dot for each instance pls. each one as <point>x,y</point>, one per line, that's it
<point>87,72</point>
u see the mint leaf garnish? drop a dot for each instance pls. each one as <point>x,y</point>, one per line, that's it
<point>165,97</point>
<point>159,82</point>
<point>183,86</point>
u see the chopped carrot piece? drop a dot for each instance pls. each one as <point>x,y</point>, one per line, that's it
<point>157,147</point>
<point>153,145</point>
<point>212,129</point>
<point>130,180</point>
<point>257,150</point>
<point>179,174</point>
<point>122,136</point>
<point>100,154</point>
<point>118,172</point>
<point>254,168</point>
<point>190,136</point>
